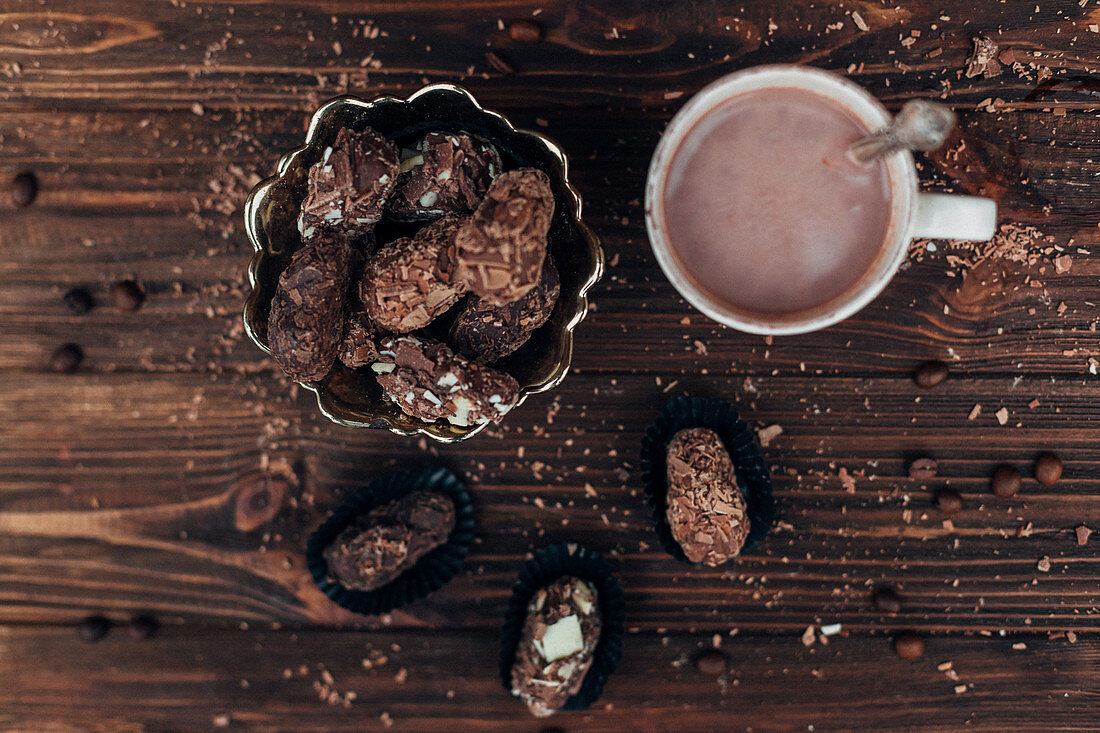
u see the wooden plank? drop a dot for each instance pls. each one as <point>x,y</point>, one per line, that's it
<point>266,680</point>
<point>136,54</point>
<point>128,487</point>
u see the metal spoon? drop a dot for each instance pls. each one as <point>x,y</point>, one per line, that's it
<point>920,125</point>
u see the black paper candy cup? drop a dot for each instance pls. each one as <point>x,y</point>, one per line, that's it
<point>428,575</point>
<point>547,565</point>
<point>753,477</point>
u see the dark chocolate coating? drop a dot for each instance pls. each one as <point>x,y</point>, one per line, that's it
<point>430,382</point>
<point>348,188</point>
<point>548,671</point>
<point>408,283</point>
<point>444,173</point>
<point>305,323</point>
<point>486,332</point>
<point>501,248</point>
<point>389,540</point>
<point>357,347</point>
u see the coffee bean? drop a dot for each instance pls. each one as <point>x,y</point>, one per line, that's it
<point>66,358</point>
<point>24,189</point>
<point>908,646</point>
<point>711,662</point>
<point>95,628</point>
<point>498,63</point>
<point>949,501</point>
<point>930,373</point>
<point>128,295</point>
<point>1048,469</point>
<point>1006,482</point>
<point>886,600</point>
<point>144,626</point>
<point>79,301</point>
<point>525,31</point>
<point>923,469</point>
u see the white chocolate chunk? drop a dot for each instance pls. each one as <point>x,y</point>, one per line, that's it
<point>562,639</point>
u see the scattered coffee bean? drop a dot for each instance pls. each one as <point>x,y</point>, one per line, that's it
<point>128,295</point>
<point>66,358</point>
<point>923,469</point>
<point>144,626</point>
<point>886,600</point>
<point>949,501</point>
<point>908,646</point>
<point>95,628</point>
<point>711,662</point>
<point>930,373</point>
<point>24,189</point>
<point>79,301</point>
<point>498,63</point>
<point>525,31</point>
<point>1006,482</point>
<point>1048,469</point>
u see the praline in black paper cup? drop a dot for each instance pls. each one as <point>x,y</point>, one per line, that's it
<point>428,575</point>
<point>753,477</point>
<point>547,565</point>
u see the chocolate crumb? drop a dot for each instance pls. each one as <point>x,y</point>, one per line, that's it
<point>886,600</point>
<point>930,374</point>
<point>66,358</point>
<point>1048,469</point>
<point>525,31</point>
<point>949,501</point>
<point>78,301</point>
<point>1083,533</point>
<point>711,662</point>
<point>144,626</point>
<point>24,189</point>
<point>909,646</point>
<point>923,469</point>
<point>499,63</point>
<point>94,628</point>
<point>983,59</point>
<point>127,295</point>
<point>1006,482</point>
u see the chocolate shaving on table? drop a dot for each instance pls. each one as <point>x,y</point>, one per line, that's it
<point>389,540</point>
<point>430,382</point>
<point>486,332</point>
<point>444,173</point>
<point>556,645</point>
<point>983,59</point>
<point>410,282</point>
<point>501,248</point>
<point>305,321</point>
<point>706,511</point>
<point>349,186</point>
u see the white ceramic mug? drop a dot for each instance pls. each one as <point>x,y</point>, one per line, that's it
<point>913,214</point>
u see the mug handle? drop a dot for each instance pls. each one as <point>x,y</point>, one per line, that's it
<point>943,216</point>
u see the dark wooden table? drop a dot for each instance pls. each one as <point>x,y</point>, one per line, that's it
<point>125,487</point>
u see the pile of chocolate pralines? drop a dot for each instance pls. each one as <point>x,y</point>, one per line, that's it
<point>480,257</point>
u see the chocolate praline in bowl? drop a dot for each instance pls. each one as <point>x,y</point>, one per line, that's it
<point>353,397</point>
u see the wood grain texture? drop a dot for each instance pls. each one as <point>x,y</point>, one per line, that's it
<point>283,681</point>
<point>128,485</point>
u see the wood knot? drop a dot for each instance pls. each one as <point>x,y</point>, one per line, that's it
<point>259,497</point>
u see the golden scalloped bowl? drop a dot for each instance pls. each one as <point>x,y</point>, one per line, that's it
<point>352,397</point>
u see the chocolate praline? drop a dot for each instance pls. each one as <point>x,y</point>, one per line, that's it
<point>390,539</point>
<point>556,645</point>
<point>706,512</point>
